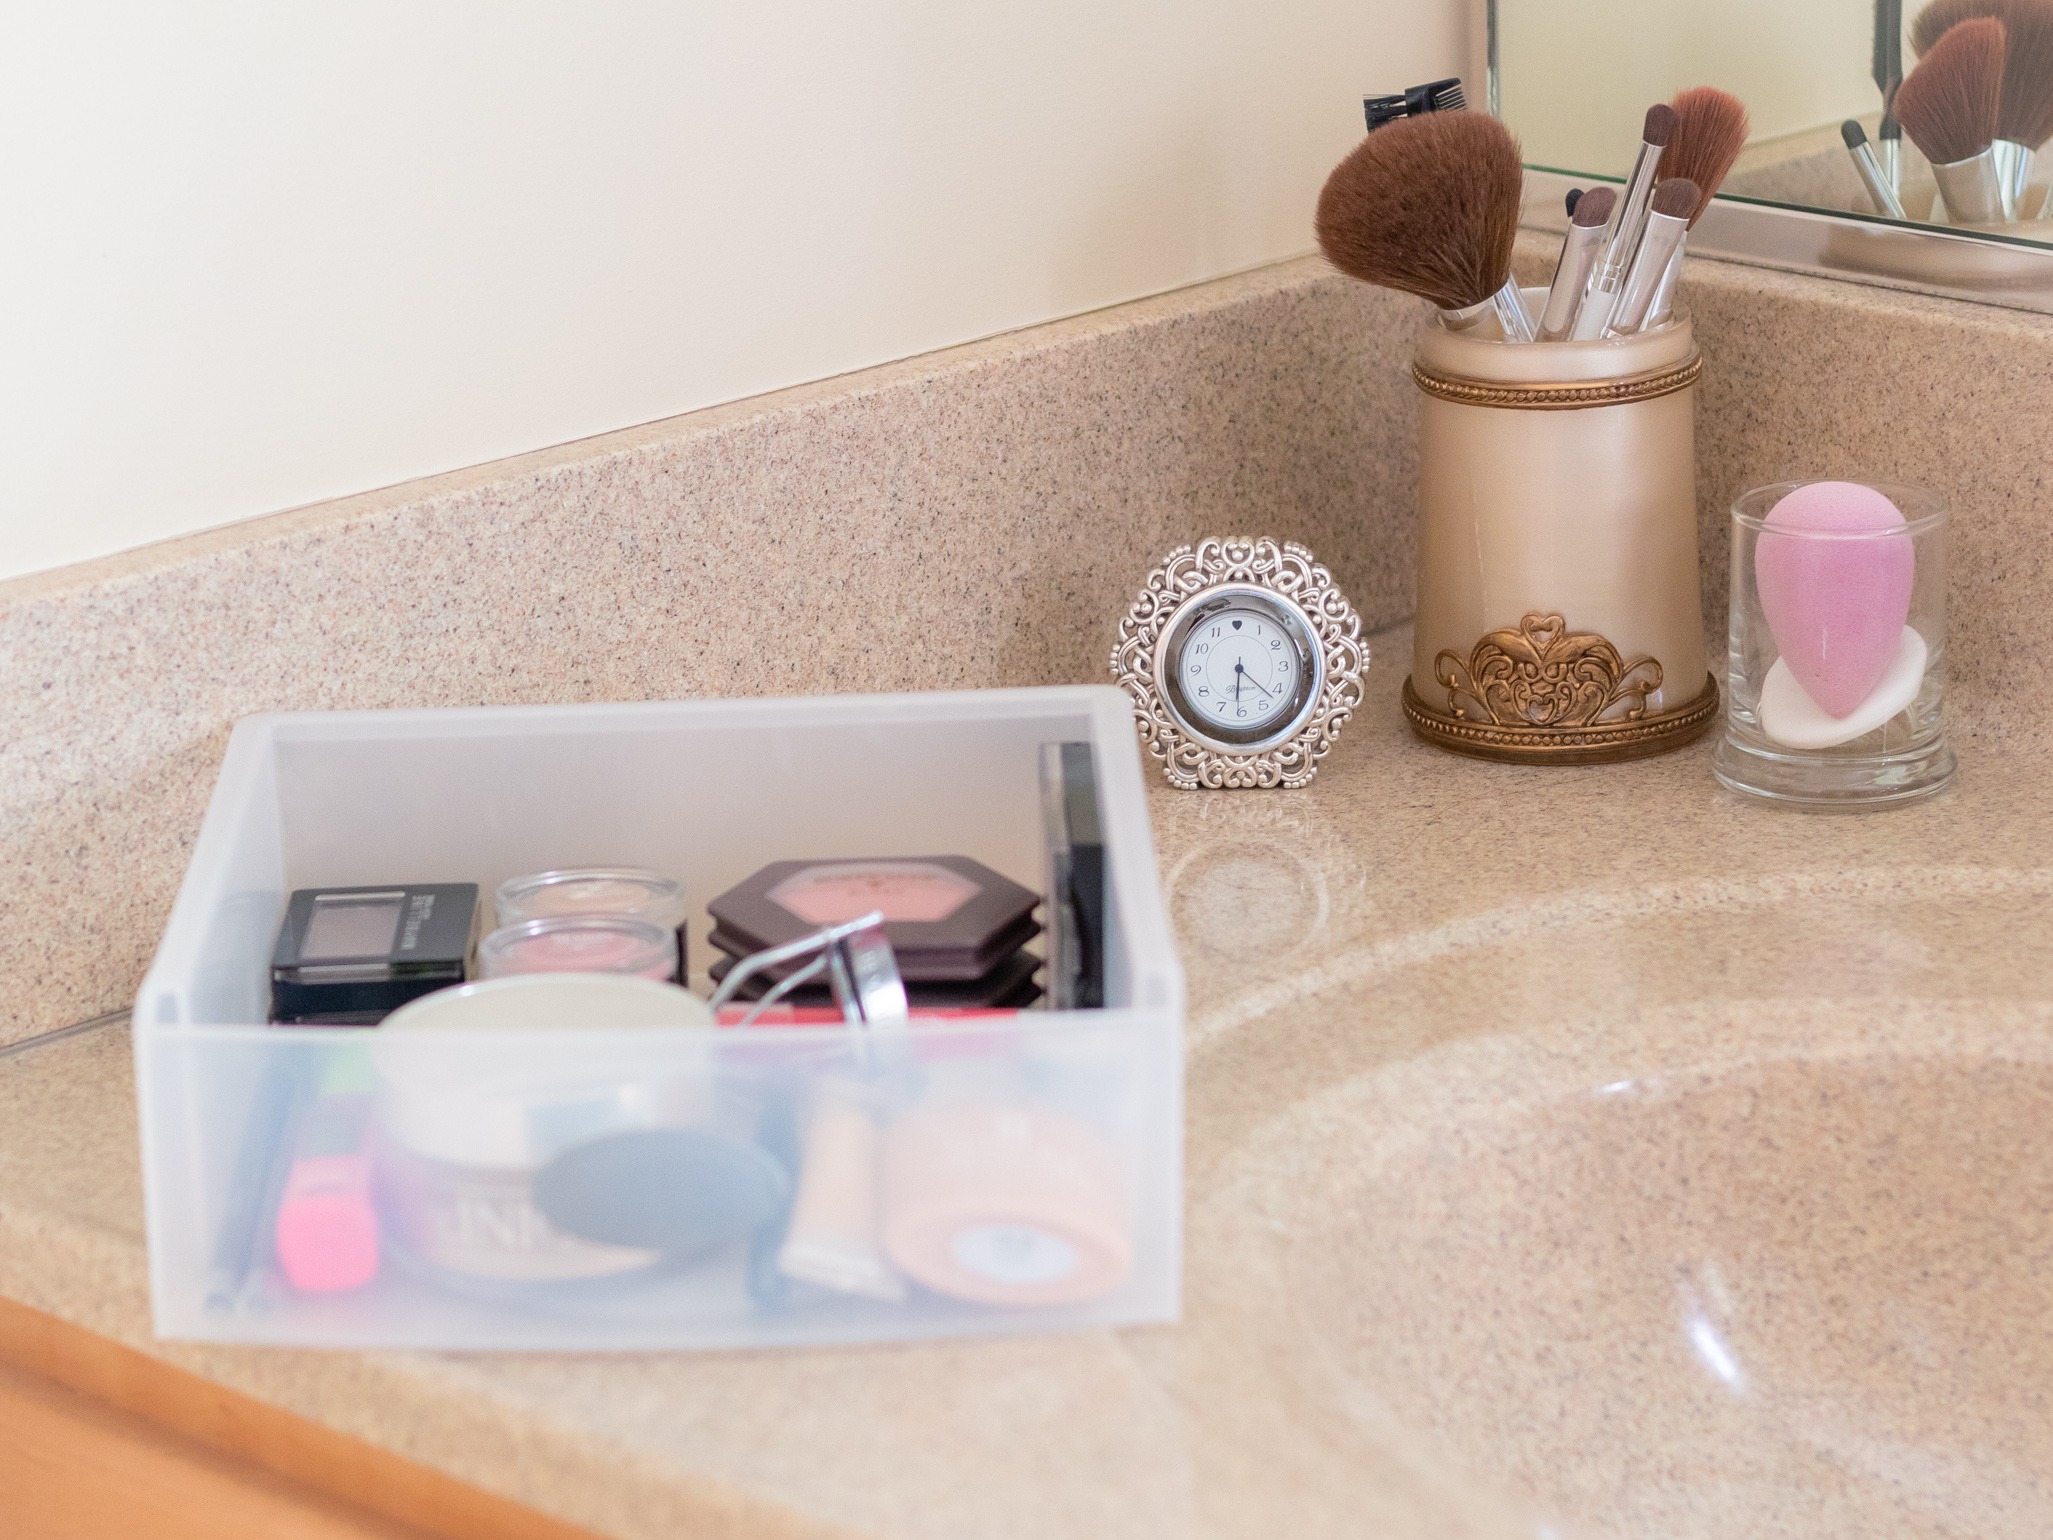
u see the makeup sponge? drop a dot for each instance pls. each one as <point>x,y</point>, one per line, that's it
<point>1836,608</point>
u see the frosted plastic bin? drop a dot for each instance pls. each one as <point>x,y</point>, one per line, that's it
<point>1030,1167</point>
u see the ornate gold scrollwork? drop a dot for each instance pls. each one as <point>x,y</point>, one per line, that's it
<point>1544,675</point>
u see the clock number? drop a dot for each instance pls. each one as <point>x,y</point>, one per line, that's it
<point>1242,712</point>
<point>1204,689</point>
<point>1202,647</point>
<point>1276,644</point>
<point>1215,633</point>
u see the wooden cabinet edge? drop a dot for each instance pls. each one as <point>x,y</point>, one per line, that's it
<point>286,1445</point>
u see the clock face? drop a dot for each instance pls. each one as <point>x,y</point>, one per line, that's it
<point>1239,668</point>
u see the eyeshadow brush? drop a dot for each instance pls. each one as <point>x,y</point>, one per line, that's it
<point>1579,252</point>
<point>1710,131</point>
<point>1593,314</point>
<point>1888,75</point>
<point>1669,212</point>
<point>1880,193</point>
<point>1949,106</point>
<point>1429,205</point>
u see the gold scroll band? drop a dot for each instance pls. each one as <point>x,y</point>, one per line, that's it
<point>1597,744</point>
<point>1562,397</point>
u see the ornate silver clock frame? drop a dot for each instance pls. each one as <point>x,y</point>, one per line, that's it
<point>1282,582</point>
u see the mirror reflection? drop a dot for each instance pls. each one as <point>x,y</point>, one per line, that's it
<point>1936,114</point>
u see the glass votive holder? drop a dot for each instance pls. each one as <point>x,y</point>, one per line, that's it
<point>1836,654</point>
<point>580,943</point>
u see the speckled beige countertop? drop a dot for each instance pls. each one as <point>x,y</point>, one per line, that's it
<point>1581,1152</point>
<point>1412,958</point>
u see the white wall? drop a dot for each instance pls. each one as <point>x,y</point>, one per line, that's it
<point>1577,76</point>
<point>255,255</point>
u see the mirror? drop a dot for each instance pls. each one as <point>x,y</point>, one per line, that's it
<point>1573,78</point>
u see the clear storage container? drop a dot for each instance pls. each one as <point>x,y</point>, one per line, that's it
<point>615,1184</point>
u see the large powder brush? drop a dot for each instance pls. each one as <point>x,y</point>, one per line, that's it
<point>1949,106</point>
<point>1429,205</point>
<point>2024,113</point>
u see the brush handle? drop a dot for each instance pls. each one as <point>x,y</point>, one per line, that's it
<point>1973,190</point>
<point>1890,137</point>
<point>1664,296</point>
<point>1505,310</point>
<point>1880,193</point>
<point>1658,246</point>
<point>1579,254</point>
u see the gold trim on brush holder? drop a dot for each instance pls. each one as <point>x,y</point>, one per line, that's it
<point>1564,396</point>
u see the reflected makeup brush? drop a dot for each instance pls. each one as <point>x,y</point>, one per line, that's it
<point>1888,75</point>
<point>1669,211</point>
<point>1880,193</point>
<point>1623,236</point>
<point>1710,131</point>
<point>1579,252</point>
<point>2024,119</point>
<point>1949,105</point>
<point>1429,205</point>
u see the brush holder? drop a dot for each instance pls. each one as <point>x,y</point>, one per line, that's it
<point>1837,648</point>
<point>1558,612</point>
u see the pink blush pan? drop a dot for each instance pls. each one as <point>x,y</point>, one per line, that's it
<point>1836,603</point>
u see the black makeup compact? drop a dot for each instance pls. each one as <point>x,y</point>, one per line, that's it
<point>352,956</point>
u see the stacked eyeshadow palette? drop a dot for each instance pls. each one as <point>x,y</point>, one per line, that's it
<point>959,929</point>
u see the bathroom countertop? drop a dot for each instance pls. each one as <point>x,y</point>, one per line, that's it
<point>1374,964</point>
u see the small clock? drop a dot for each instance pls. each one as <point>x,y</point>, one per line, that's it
<point>1243,661</point>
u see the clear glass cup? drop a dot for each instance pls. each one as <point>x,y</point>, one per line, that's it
<point>580,943</point>
<point>1837,648</point>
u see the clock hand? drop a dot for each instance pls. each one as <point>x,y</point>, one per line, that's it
<point>1237,672</point>
<point>1251,680</point>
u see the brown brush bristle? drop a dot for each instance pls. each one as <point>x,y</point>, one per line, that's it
<point>1941,16</point>
<point>1949,103</point>
<point>1659,126</point>
<point>1676,198</point>
<point>1595,207</point>
<point>1710,131</point>
<point>1428,205</point>
<point>2026,113</point>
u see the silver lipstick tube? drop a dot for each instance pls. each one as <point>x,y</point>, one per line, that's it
<point>1973,190</point>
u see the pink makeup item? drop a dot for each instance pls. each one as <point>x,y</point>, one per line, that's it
<point>832,1239</point>
<point>580,943</point>
<point>1835,607</point>
<point>1002,1199</point>
<point>598,890</point>
<point>326,1230</point>
<point>948,918</point>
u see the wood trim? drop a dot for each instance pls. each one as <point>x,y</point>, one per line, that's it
<point>281,1443</point>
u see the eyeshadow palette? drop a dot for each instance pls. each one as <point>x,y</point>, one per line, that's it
<point>1009,986</point>
<point>352,956</point>
<point>948,918</point>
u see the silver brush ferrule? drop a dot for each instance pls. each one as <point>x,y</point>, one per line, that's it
<point>1972,189</point>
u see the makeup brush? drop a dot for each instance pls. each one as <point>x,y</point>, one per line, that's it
<point>1593,314</point>
<point>1579,254</point>
<point>1575,196</point>
<point>1888,75</point>
<point>1669,212</point>
<point>1710,131</point>
<point>1949,105</point>
<point>1429,205</point>
<point>1880,193</point>
<point>2024,120</point>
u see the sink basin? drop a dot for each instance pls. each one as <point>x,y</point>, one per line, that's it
<point>1792,1275</point>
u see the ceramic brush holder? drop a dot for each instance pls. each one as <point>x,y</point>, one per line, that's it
<point>1558,619</point>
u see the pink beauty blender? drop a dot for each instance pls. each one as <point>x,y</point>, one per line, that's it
<point>1836,608</point>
